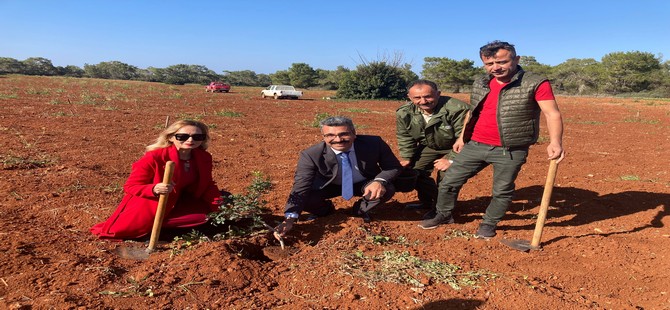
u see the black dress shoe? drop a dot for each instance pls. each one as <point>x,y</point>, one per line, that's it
<point>356,211</point>
<point>366,217</point>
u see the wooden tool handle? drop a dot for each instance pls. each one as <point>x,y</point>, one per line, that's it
<point>160,210</point>
<point>544,205</point>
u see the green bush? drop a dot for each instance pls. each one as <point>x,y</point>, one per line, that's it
<point>375,80</point>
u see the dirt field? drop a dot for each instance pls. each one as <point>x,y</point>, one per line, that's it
<point>69,145</point>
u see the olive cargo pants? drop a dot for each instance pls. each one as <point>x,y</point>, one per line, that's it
<point>471,160</point>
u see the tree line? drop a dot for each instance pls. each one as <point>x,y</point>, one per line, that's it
<point>637,73</point>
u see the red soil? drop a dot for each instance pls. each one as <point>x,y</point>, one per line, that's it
<point>69,145</point>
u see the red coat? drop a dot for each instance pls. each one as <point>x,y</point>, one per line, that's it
<point>135,214</point>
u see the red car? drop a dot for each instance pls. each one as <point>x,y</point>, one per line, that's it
<point>217,87</point>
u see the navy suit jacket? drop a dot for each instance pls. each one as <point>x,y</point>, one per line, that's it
<point>318,167</point>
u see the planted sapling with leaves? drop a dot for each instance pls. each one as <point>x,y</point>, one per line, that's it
<point>240,213</point>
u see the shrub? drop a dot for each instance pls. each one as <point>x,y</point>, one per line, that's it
<point>375,80</point>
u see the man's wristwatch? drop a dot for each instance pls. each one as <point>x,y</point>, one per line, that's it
<point>291,216</point>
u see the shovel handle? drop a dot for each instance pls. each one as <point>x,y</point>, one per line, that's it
<point>160,210</point>
<point>544,205</point>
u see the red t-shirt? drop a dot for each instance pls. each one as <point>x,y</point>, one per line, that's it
<point>486,128</point>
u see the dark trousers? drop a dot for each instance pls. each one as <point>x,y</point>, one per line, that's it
<point>471,160</point>
<point>318,201</point>
<point>426,186</point>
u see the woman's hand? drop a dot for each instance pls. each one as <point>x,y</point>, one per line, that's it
<point>163,189</point>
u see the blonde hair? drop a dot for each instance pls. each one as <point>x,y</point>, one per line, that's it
<point>163,139</point>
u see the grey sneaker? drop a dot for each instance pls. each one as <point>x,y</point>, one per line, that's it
<point>485,231</point>
<point>436,221</point>
<point>430,214</point>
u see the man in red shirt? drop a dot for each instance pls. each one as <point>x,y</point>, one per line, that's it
<point>506,106</point>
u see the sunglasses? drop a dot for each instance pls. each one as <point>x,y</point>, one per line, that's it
<point>181,137</point>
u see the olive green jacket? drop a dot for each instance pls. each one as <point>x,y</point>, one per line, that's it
<point>439,133</point>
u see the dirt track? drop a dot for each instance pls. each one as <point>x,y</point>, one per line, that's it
<point>69,144</point>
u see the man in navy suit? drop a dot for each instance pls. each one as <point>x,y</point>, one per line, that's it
<point>367,162</point>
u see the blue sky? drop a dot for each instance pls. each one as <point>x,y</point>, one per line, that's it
<point>266,36</point>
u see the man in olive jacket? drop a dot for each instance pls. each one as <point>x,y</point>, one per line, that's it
<point>428,128</point>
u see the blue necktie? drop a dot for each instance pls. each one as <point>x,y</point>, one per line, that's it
<point>347,177</point>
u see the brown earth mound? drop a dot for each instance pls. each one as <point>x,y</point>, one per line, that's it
<point>69,145</point>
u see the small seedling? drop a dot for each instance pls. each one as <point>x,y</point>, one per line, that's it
<point>318,118</point>
<point>182,243</point>
<point>356,110</point>
<point>630,177</point>
<point>457,233</point>
<point>227,113</point>
<point>195,117</point>
<point>378,239</point>
<point>10,162</point>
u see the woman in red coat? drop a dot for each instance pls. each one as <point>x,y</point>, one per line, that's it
<point>192,193</point>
